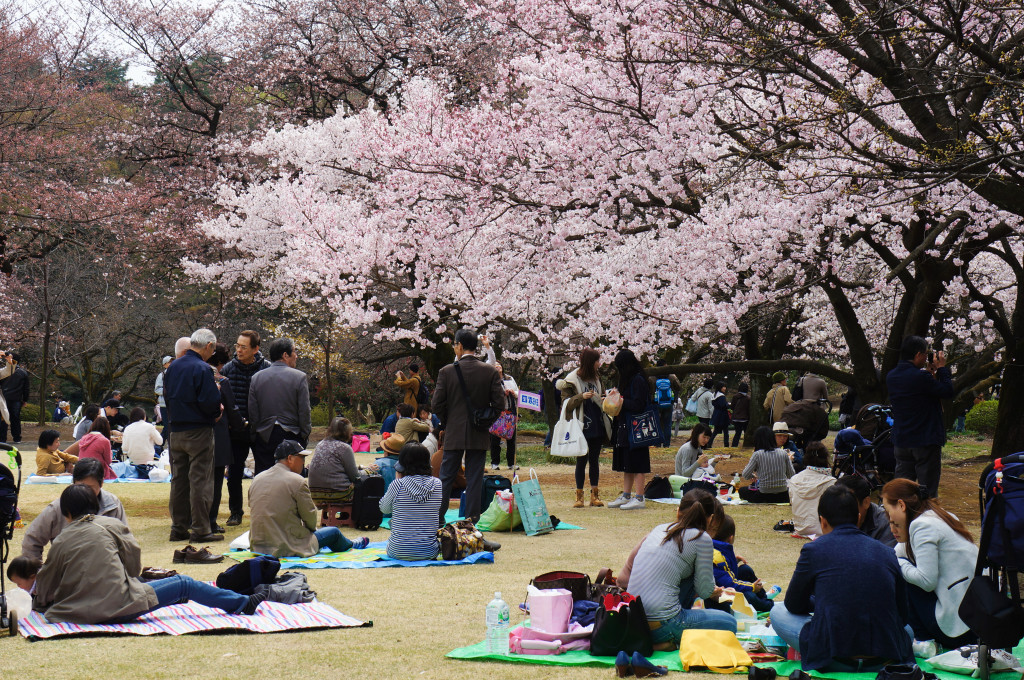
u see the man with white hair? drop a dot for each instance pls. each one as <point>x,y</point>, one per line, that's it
<point>193,404</point>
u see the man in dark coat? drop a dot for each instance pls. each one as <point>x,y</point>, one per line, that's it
<point>846,605</point>
<point>15,391</point>
<point>461,437</point>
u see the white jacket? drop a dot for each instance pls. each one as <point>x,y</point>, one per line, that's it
<point>943,563</point>
<point>805,489</point>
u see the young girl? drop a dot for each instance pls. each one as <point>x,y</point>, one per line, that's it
<point>937,557</point>
<point>771,467</point>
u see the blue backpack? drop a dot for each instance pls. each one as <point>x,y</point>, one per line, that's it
<point>1003,526</point>
<point>663,393</point>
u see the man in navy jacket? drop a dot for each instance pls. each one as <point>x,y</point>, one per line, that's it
<point>846,605</point>
<point>193,403</point>
<point>917,385</point>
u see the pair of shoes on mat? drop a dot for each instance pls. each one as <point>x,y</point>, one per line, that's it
<point>190,555</point>
<point>626,665</point>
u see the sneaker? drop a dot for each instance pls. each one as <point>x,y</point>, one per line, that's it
<point>635,503</point>
<point>618,502</point>
<point>495,467</point>
<point>925,649</point>
<point>360,543</point>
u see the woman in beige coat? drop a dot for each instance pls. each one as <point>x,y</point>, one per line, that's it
<point>583,391</point>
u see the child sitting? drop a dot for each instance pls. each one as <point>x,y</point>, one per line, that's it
<point>729,573</point>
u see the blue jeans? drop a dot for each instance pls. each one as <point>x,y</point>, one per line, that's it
<point>707,619</point>
<point>788,626</point>
<point>180,589</point>
<point>331,537</point>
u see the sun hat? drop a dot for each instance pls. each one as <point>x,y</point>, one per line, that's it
<point>393,444</point>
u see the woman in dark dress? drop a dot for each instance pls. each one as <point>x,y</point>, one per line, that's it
<point>230,422</point>
<point>633,462</point>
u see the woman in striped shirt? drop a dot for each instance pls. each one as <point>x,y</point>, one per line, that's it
<point>413,500</point>
<point>771,467</point>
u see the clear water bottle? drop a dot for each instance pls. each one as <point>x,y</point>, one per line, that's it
<point>497,626</point>
<point>773,592</point>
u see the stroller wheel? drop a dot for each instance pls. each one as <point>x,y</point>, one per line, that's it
<point>13,625</point>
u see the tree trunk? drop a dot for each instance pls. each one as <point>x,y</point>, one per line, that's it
<point>45,368</point>
<point>1009,436</point>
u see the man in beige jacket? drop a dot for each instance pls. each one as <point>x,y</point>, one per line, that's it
<point>778,397</point>
<point>284,517</point>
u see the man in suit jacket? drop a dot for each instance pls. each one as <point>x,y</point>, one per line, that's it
<point>284,517</point>
<point>461,438</point>
<point>278,404</point>
<point>852,585</point>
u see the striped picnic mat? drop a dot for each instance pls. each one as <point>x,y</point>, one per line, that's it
<point>182,619</point>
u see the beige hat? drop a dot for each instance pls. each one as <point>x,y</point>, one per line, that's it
<point>393,444</point>
<point>781,428</point>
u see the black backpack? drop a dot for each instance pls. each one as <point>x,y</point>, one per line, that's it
<point>245,576</point>
<point>366,514</point>
<point>492,484</point>
<point>658,487</point>
<point>798,390</point>
<point>423,394</point>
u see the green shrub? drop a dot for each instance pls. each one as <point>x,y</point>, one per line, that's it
<point>319,415</point>
<point>30,413</point>
<point>982,417</point>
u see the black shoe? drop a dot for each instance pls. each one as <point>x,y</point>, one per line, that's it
<point>784,526</point>
<point>179,535</point>
<point>208,538</point>
<point>799,675</point>
<point>491,546</point>
<point>234,520</point>
<point>755,673</point>
<point>216,528</point>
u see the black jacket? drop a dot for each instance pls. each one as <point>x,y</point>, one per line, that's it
<point>240,376</point>
<point>15,386</point>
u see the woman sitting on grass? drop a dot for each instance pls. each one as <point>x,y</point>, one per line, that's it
<point>771,467</point>
<point>50,460</point>
<point>96,444</point>
<point>414,501</point>
<point>937,557</point>
<point>806,487</point>
<point>333,473</point>
<point>673,567</point>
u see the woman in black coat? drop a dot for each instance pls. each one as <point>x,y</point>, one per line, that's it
<point>633,462</point>
<point>230,421</point>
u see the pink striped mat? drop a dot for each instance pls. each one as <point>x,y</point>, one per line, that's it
<point>182,619</point>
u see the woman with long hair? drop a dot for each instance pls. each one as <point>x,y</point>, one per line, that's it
<point>582,391</point>
<point>937,556</point>
<point>634,462</point>
<point>672,567</point>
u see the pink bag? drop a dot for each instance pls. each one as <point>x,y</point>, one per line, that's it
<point>360,443</point>
<point>550,609</point>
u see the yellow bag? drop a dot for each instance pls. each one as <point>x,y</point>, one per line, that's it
<point>717,650</point>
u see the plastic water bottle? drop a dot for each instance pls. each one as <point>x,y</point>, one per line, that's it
<point>773,592</point>
<point>497,615</point>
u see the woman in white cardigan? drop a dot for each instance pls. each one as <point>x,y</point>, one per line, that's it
<point>937,557</point>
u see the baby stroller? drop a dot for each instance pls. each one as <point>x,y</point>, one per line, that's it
<point>855,455</point>
<point>874,422</point>
<point>1001,496</point>
<point>807,420</point>
<point>9,489</point>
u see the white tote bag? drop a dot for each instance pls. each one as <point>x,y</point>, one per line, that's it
<point>567,440</point>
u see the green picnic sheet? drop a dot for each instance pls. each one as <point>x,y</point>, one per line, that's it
<point>478,652</point>
<point>453,516</point>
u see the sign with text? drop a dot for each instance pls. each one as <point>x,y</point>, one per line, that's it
<point>530,400</point>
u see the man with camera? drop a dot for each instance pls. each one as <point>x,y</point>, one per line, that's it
<point>468,397</point>
<point>14,383</point>
<point>917,385</point>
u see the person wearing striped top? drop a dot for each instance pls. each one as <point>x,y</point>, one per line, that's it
<point>771,467</point>
<point>672,567</point>
<point>414,501</point>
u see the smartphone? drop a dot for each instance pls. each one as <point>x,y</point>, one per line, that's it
<point>931,357</point>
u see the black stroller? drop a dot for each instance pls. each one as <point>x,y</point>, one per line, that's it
<point>9,489</point>
<point>807,420</point>
<point>865,450</point>
<point>997,607</point>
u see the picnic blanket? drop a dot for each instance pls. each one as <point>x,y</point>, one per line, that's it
<point>478,652</point>
<point>374,556</point>
<point>66,479</point>
<point>182,619</point>
<point>453,516</point>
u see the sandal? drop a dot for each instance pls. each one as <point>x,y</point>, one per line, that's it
<point>784,525</point>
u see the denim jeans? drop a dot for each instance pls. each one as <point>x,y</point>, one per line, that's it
<point>180,589</point>
<point>331,537</point>
<point>705,619</point>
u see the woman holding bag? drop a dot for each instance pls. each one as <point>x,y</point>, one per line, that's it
<point>581,391</point>
<point>633,461</point>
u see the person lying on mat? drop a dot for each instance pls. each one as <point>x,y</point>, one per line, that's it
<point>846,605</point>
<point>413,500</point>
<point>672,567</point>
<point>49,523</point>
<point>284,517</point>
<point>91,573</point>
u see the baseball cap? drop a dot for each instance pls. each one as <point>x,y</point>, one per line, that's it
<point>112,403</point>
<point>290,447</point>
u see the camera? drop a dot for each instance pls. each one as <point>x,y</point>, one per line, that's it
<point>931,357</point>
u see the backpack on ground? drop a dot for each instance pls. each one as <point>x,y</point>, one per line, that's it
<point>243,577</point>
<point>366,514</point>
<point>492,484</point>
<point>658,487</point>
<point>423,394</point>
<point>663,392</point>
<point>798,390</point>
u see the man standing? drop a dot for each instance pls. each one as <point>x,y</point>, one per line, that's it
<point>193,403</point>
<point>239,371</point>
<point>814,388</point>
<point>278,404</point>
<point>462,388</point>
<point>664,390</point>
<point>15,389</point>
<point>917,385</point>
<point>846,606</point>
<point>778,397</point>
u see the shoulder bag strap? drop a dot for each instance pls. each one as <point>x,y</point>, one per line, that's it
<point>465,391</point>
<point>774,395</point>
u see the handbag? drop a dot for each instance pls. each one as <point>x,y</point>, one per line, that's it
<point>604,585</point>
<point>644,428</point>
<point>576,583</point>
<point>717,650</point>
<point>567,440</point>
<point>532,508</point>
<point>505,426</point>
<point>480,418</point>
<point>620,625</point>
<point>691,405</point>
<point>459,540</point>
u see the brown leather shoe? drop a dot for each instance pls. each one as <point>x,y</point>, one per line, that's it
<point>156,573</point>
<point>206,538</point>
<point>180,555</point>
<point>190,555</point>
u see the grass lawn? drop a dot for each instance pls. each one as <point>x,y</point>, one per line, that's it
<point>418,614</point>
